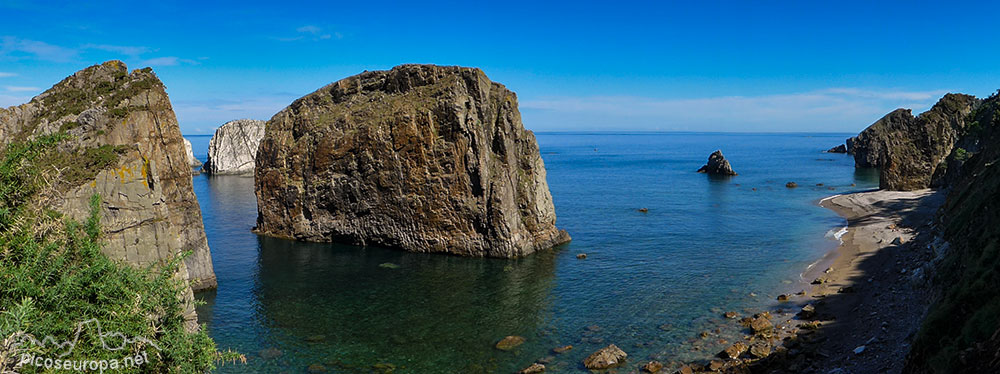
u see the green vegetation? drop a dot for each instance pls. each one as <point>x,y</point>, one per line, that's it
<point>961,154</point>
<point>55,277</point>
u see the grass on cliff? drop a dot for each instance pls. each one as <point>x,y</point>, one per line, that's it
<point>55,277</point>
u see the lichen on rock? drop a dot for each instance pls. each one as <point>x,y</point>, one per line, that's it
<point>422,158</point>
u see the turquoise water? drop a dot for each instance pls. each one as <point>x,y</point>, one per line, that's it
<point>650,284</point>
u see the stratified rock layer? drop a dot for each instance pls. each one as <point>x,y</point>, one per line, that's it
<point>149,211</point>
<point>908,149</point>
<point>423,158</point>
<point>717,165</point>
<point>234,146</point>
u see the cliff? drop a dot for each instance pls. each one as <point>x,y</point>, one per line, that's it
<point>909,149</point>
<point>234,146</point>
<point>422,158</point>
<point>124,144</point>
<point>961,332</point>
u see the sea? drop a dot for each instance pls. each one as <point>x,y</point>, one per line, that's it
<point>655,282</point>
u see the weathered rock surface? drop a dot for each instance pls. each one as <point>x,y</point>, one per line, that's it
<point>717,165</point>
<point>908,149</point>
<point>605,358</point>
<point>190,154</point>
<point>233,148</point>
<point>126,146</point>
<point>422,158</point>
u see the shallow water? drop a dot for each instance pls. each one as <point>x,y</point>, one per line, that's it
<point>650,284</point>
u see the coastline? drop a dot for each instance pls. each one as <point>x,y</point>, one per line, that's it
<point>870,294</point>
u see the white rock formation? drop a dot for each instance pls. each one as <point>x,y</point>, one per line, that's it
<point>234,146</point>
<point>190,154</point>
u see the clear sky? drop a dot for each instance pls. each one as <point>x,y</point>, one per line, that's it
<point>830,66</point>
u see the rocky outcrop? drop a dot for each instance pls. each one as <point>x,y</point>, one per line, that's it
<point>717,165</point>
<point>125,145</point>
<point>190,155</point>
<point>422,158</point>
<point>908,149</point>
<point>234,146</point>
<point>838,149</point>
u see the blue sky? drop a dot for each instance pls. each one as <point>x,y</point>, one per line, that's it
<point>666,66</point>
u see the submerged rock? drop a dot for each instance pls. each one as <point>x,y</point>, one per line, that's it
<point>125,145</point>
<point>652,367</point>
<point>605,358</point>
<point>717,165</point>
<point>422,158</point>
<point>233,148</point>
<point>510,342</point>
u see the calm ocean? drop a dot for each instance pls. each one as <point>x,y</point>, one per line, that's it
<point>650,284</point>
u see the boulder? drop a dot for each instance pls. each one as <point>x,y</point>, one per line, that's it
<point>233,148</point>
<point>190,155</point>
<point>533,369</point>
<point>652,367</point>
<point>125,145</point>
<point>422,158</point>
<point>605,358</point>
<point>717,165</point>
<point>734,351</point>
<point>909,149</point>
<point>562,349</point>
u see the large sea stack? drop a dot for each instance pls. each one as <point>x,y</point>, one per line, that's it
<point>422,158</point>
<point>909,149</point>
<point>234,146</point>
<point>123,144</point>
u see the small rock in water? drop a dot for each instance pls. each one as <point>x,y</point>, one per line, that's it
<point>581,256</point>
<point>652,367</point>
<point>594,328</point>
<point>731,315</point>
<point>533,369</point>
<point>782,297</point>
<point>388,265</point>
<point>859,350</point>
<point>316,369</point>
<point>509,342</point>
<point>316,338</point>
<point>643,210</point>
<point>791,185</point>
<point>562,349</point>
<point>717,165</point>
<point>605,358</point>
<point>665,327</point>
<point>270,353</point>
<point>820,280</point>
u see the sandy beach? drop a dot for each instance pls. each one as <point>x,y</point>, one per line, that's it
<point>870,294</point>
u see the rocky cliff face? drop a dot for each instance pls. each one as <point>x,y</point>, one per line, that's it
<point>234,146</point>
<point>423,158</point>
<point>961,332</point>
<point>909,149</point>
<point>124,144</point>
